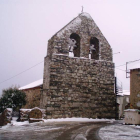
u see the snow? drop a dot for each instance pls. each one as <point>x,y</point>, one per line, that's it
<point>32,85</point>
<point>26,126</point>
<point>125,92</point>
<point>132,110</point>
<point>136,66</point>
<point>15,123</point>
<point>36,119</point>
<point>72,25</point>
<point>80,137</point>
<point>9,109</point>
<point>60,54</point>
<point>86,15</point>
<point>46,125</point>
<point>77,120</point>
<point>120,132</point>
<point>24,110</point>
<point>42,110</point>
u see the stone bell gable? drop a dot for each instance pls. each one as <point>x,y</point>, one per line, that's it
<point>79,72</point>
<point>85,31</point>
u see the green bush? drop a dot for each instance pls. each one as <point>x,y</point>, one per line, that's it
<point>12,98</point>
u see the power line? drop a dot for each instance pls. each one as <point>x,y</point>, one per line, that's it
<point>128,62</point>
<point>43,61</point>
<point>31,68</point>
<point>21,72</point>
<point>121,65</point>
<point>116,53</point>
<point>121,69</point>
<point>133,61</point>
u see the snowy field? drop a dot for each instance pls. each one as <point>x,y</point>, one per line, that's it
<point>120,132</point>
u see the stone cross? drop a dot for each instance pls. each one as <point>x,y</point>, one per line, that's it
<point>82,9</point>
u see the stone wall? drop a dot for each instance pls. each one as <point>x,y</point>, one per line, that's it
<point>135,88</point>
<point>32,97</point>
<point>80,88</point>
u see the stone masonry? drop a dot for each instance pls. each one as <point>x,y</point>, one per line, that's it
<point>79,86</point>
<point>135,88</point>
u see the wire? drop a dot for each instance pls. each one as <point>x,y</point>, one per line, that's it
<point>121,69</point>
<point>118,79</point>
<point>43,61</point>
<point>121,65</point>
<point>133,61</point>
<point>21,72</point>
<point>116,53</point>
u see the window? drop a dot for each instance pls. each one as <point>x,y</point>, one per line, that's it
<point>94,48</point>
<point>74,44</point>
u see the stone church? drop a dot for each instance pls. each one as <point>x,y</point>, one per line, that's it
<point>79,72</point>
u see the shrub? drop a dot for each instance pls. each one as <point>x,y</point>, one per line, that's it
<point>12,98</point>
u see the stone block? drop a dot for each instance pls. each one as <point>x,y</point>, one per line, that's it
<point>6,116</point>
<point>35,115</point>
<point>23,114</point>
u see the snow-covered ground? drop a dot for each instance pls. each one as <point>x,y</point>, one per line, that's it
<point>120,132</point>
<point>15,123</point>
<point>115,131</point>
<point>50,128</point>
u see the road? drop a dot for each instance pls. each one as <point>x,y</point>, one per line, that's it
<point>54,131</point>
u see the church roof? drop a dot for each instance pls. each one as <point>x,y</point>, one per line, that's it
<point>75,22</point>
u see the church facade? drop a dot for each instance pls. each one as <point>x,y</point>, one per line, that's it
<point>79,72</point>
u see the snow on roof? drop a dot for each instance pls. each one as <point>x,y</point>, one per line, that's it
<point>136,66</point>
<point>125,92</point>
<point>32,85</point>
<point>86,15</point>
<point>72,25</point>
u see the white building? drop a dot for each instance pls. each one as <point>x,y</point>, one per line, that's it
<point>123,101</point>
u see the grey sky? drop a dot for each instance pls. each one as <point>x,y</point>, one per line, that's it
<point>26,26</point>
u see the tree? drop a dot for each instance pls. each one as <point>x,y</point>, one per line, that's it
<point>12,98</point>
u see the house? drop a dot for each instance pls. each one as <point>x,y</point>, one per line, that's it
<point>33,92</point>
<point>135,87</point>
<point>123,99</point>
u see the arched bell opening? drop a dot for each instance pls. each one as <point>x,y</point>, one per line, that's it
<point>94,48</point>
<point>74,44</point>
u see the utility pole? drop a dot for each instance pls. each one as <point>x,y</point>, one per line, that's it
<point>116,106</point>
<point>127,70</point>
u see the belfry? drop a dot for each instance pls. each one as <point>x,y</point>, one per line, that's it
<point>79,72</point>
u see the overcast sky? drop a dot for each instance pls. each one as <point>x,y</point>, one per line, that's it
<point>26,26</point>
